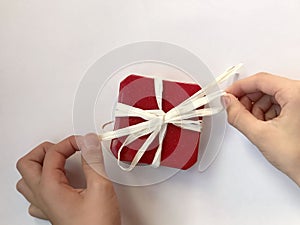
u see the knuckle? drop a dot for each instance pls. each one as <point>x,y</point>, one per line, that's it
<point>52,154</point>
<point>233,120</point>
<point>20,164</point>
<point>262,73</point>
<point>233,116</point>
<point>19,185</point>
<point>31,211</point>
<point>45,145</point>
<point>102,183</point>
<point>71,137</point>
<point>291,94</point>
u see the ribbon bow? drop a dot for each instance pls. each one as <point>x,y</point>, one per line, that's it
<point>156,120</point>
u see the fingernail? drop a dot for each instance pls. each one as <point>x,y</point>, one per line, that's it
<point>226,100</point>
<point>91,141</point>
<point>91,149</point>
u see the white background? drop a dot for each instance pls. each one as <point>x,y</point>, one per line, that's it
<point>46,46</point>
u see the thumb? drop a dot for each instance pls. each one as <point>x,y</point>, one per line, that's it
<point>239,117</point>
<point>92,160</point>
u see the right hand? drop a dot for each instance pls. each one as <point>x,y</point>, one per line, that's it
<point>266,109</point>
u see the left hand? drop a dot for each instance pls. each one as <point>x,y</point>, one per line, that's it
<point>45,185</point>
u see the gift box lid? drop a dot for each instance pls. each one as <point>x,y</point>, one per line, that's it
<point>180,146</point>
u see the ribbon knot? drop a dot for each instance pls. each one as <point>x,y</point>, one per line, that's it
<point>162,117</point>
<point>185,115</point>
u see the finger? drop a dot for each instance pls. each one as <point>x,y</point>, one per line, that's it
<point>248,99</point>
<point>241,118</point>
<point>255,96</point>
<point>245,101</point>
<point>262,106</point>
<point>92,161</point>
<point>273,112</point>
<point>56,157</point>
<point>36,212</point>
<point>266,83</point>
<point>30,165</point>
<point>23,188</point>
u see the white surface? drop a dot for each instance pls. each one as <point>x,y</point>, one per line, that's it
<point>45,47</point>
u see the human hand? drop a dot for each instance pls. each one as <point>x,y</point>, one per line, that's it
<point>45,185</point>
<point>266,109</point>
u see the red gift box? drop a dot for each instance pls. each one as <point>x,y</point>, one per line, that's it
<point>180,146</point>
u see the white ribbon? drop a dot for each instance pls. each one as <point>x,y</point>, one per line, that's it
<point>157,120</point>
